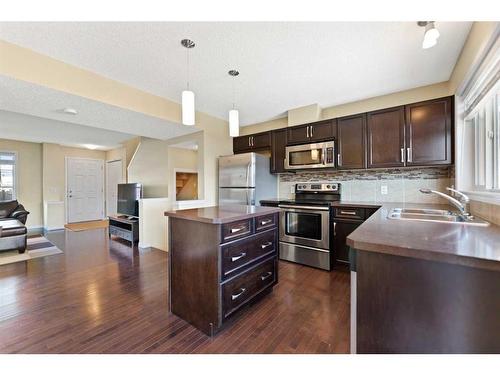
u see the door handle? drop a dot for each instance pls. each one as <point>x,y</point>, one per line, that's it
<point>252,141</point>
<point>267,244</point>
<point>334,228</point>
<point>402,155</point>
<point>235,296</point>
<point>339,160</point>
<point>242,255</point>
<point>408,154</point>
<point>311,131</point>
<point>267,275</point>
<point>307,131</point>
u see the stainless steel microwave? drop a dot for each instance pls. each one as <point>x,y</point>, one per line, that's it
<point>312,155</point>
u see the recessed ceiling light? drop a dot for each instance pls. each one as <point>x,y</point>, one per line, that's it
<point>91,147</point>
<point>70,111</point>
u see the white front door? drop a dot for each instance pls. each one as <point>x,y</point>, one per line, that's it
<point>114,176</point>
<point>84,189</point>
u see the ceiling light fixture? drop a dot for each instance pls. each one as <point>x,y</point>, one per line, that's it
<point>431,34</point>
<point>234,115</point>
<point>91,147</point>
<point>70,111</point>
<point>188,111</point>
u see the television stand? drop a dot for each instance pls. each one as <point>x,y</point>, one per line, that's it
<point>124,227</point>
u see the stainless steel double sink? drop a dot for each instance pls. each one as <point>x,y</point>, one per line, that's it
<point>432,215</point>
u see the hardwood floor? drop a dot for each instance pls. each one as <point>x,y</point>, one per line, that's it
<point>104,297</point>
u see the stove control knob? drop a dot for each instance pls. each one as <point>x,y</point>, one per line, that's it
<point>328,186</point>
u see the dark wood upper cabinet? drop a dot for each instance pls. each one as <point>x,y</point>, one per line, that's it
<point>315,132</point>
<point>249,143</point>
<point>386,137</point>
<point>351,142</point>
<point>429,132</point>
<point>278,145</point>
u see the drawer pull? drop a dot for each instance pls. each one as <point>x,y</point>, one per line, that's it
<point>235,296</point>
<point>265,222</point>
<point>267,244</point>
<point>348,212</point>
<point>266,276</point>
<point>234,259</point>
<point>236,230</point>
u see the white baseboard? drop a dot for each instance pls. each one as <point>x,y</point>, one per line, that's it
<point>143,245</point>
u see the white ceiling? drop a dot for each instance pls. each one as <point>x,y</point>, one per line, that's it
<point>104,124</point>
<point>283,65</point>
<point>27,128</point>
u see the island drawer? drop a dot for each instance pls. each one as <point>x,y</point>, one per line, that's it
<point>239,254</point>
<point>236,292</point>
<point>265,222</point>
<point>237,229</point>
<point>357,213</point>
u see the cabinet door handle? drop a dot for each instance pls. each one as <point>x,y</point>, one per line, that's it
<point>236,230</point>
<point>253,144</point>
<point>234,296</point>
<point>265,222</point>
<point>347,212</point>
<point>334,228</point>
<point>267,244</point>
<point>307,131</point>
<point>402,155</point>
<point>242,255</point>
<point>267,275</point>
<point>408,154</point>
<point>339,160</point>
<point>311,131</point>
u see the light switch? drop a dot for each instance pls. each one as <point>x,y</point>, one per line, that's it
<point>383,189</point>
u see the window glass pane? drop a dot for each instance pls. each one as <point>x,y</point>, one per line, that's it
<point>7,176</point>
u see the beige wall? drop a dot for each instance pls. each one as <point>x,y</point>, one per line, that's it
<point>29,178</point>
<point>477,39</point>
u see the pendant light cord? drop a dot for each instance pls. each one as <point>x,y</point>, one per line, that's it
<point>187,58</point>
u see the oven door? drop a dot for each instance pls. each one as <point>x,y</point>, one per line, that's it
<point>305,225</point>
<point>314,155</point>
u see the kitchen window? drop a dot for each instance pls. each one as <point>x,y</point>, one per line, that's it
<point>7,175</point>
<point>478,104</point>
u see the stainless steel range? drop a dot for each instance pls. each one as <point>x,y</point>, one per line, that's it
<point>305,224</point>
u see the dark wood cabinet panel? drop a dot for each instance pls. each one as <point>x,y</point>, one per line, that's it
<point>261,140</point>
<point>241,144</point>
<point>278,145</point>
<point>298,134</point>
<point>385,138</point>
<point>249,143</point>
<point>322,131</point>
<point>351,142</point>
<point>315,132</point>
<point>341,230</point>
<point>429,132</point>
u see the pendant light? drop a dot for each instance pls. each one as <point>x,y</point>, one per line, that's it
<point>234,116</point>
<point>431,34</point>
<point>188,111</point>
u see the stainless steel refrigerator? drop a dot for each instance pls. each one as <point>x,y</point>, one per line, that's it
<point>245,179</point>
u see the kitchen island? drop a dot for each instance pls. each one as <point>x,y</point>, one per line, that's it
<point>220,260</point>
<point>424,287</point>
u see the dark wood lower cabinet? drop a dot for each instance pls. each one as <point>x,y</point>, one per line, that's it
<point>407,305</point>
<point>213,275</point>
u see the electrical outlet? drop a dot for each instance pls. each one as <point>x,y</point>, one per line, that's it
<point>383,189</point>
<point>292,189</point>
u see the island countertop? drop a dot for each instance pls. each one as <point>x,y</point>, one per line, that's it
<point>221,214</point>
<point>461,244</point>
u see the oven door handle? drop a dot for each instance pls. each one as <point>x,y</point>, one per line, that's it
<point>308,208</point>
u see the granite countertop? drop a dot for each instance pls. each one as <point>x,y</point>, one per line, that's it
<point>221,214</point>
<point>461,244</point>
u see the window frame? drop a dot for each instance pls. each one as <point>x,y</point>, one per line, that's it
<point>14,173</point>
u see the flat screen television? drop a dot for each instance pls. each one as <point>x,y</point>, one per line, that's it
<point>128,199</point>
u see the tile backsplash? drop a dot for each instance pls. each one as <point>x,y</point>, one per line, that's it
<point>366,185</point>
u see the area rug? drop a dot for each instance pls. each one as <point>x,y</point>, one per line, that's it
<point>86,225</point>
<point>37,247</point>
